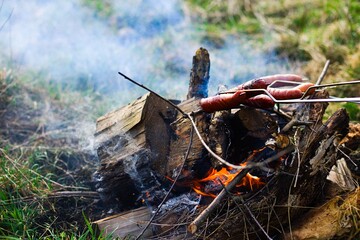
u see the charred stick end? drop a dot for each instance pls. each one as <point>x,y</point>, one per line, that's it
<point>199,76</point>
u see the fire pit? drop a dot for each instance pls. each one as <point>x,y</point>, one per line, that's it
<point>176,171</point>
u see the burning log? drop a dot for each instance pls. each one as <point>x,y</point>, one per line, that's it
<point>142,149</point>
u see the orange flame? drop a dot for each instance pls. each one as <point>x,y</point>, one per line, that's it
<point>215,179</point>
<point>223,177</point>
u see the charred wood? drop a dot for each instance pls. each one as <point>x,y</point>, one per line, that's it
<point>199,76</point>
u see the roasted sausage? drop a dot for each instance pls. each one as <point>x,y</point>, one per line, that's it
<point>291,93</point>
<point>259,101</point>
<point>263,82</point>
<point>222,101</point>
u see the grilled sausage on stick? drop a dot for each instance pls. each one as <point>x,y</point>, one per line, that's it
<point>263,82</point>
<point>222,101</point>
<point>291,93</point>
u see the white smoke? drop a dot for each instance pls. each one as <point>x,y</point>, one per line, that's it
<point>152,42</point>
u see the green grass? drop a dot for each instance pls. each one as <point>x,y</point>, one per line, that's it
<point>31,168</point>
<point>25,211</point>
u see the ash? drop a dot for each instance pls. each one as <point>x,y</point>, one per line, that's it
<point>185,202</point>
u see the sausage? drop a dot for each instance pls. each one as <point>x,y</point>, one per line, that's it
<point>259,101</point>
<point>291,93</point>
<point>255,98</point>
<point>263,82</point>
<point>223,101</point>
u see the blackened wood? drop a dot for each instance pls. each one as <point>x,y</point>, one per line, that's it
<point>181,138</point>
<point>199,76</point>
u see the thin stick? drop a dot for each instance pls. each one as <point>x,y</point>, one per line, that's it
<point>60,194</point>
<point>171,187</point>
<point>287,150</point>
<point>148,89</point>
<point>250,212</point>
<point>255,220</point>
<point>323,73</point>
<point>57,194</point>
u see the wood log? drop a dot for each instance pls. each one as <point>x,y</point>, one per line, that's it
<point>129,140</point>
<point>125,225</point>
<point>180,142</point>
<point>149,133</point>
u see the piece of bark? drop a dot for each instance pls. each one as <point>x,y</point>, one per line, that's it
<point>199,76</point>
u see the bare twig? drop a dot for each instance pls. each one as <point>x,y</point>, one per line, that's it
<point>52,195</point>
<point>293,122</point>
<point>171,187</point>
<point>60,194</point>
<point>323,73</point>
<point>148,89</point>
<point>256,221</point>
<point>297,156</point>
<point>261,164</point>
<point>249,211</point>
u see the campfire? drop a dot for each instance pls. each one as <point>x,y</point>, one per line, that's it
<point>227,166</point>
